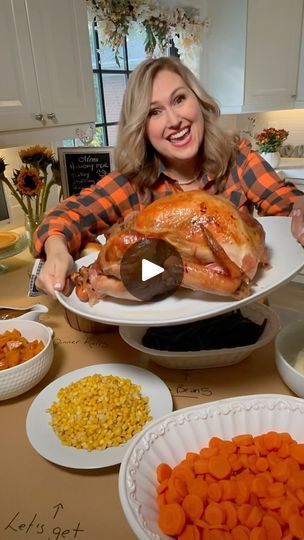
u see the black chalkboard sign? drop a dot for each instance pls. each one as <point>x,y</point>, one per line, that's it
<point>80,167</point>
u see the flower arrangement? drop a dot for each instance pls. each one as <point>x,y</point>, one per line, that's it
<point>270,139</point>
<point>161,24</point>
<point>30,185</point>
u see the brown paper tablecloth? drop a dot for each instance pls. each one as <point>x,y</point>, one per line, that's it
<point>40,500</point>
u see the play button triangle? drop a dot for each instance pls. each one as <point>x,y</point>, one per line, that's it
<point>150,269</point>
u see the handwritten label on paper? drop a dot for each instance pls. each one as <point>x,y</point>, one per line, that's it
<point>33,526</point>
<point>87,340</point>
<point>188,389</point>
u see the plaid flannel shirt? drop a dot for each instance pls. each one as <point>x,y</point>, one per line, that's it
<point>251,183</point>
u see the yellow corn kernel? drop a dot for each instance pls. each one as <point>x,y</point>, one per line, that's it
<point>98,412</point>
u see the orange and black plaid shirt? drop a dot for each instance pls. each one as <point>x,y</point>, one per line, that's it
<point>251,183</point>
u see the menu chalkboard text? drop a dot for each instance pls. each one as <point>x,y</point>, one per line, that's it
<point>83,166</point>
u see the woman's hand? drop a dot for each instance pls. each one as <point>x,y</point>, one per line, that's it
<point>297,221</point>
<point>58,265</point>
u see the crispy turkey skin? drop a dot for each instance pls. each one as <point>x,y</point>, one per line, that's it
<point>221,248</point>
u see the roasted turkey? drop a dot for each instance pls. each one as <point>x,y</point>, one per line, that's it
<point>221,248</point>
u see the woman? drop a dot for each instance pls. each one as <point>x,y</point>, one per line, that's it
<point>169,140</point>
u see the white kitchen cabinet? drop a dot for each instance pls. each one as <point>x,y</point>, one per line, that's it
<point>300,86</point>
<point>45,65</point>
<point>251,53</point>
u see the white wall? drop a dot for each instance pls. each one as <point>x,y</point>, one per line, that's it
<point>229,122</point>
<point>198,4</point>
<point>291,120</point>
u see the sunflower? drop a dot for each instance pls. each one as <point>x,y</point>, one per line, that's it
<point>37,154</point>
<point>56,172</point>
<point>32,183</point>
<point>2,165</point>
<point>28,181</point>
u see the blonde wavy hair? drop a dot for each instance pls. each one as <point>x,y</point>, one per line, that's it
<point>136,158</point>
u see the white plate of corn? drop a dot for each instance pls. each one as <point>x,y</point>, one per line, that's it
<point>87,418</point>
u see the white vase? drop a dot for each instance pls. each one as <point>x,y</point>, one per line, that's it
<point>273,158</point>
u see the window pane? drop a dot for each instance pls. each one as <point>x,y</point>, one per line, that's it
<point>112,134</point>
<point>113,87</point>
<point>107,58</point>
<point>92,44</point>
<point>99,115</point>
<point>99,138</point>
<point>110,87</point>
<point>136,47</point>
<point>73,142</point>
<point>68,142</point>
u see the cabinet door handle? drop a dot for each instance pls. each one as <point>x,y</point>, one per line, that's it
<point>51,116</point>
<point>293,95</point>
<point>39,116</point>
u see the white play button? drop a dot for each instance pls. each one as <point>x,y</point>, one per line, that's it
<point>150,270</point>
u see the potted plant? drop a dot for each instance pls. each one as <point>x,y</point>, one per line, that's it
<point>31,184</point>
<point>268,143</point>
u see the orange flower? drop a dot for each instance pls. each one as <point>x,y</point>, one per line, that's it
<point>270,139</point>
<point>28,181</point>
<point>35,153</point>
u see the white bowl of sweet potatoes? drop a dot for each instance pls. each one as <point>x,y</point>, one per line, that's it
<point>26,355</point>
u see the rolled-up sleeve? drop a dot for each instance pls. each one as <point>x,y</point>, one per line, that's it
<point>263,186</point>
<point>83,217</point>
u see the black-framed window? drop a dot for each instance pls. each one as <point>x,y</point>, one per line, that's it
<point>110,79</point>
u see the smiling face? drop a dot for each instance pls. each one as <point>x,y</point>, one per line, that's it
<point>175,125</point>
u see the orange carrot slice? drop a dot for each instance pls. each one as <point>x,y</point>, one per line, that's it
<point>172,519</point>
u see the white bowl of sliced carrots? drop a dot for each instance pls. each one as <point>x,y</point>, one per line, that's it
<point>26,355</point>
<point>226,470</point>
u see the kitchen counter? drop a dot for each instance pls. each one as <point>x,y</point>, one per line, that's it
<point>291,168</point>
<point>48,502</point>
